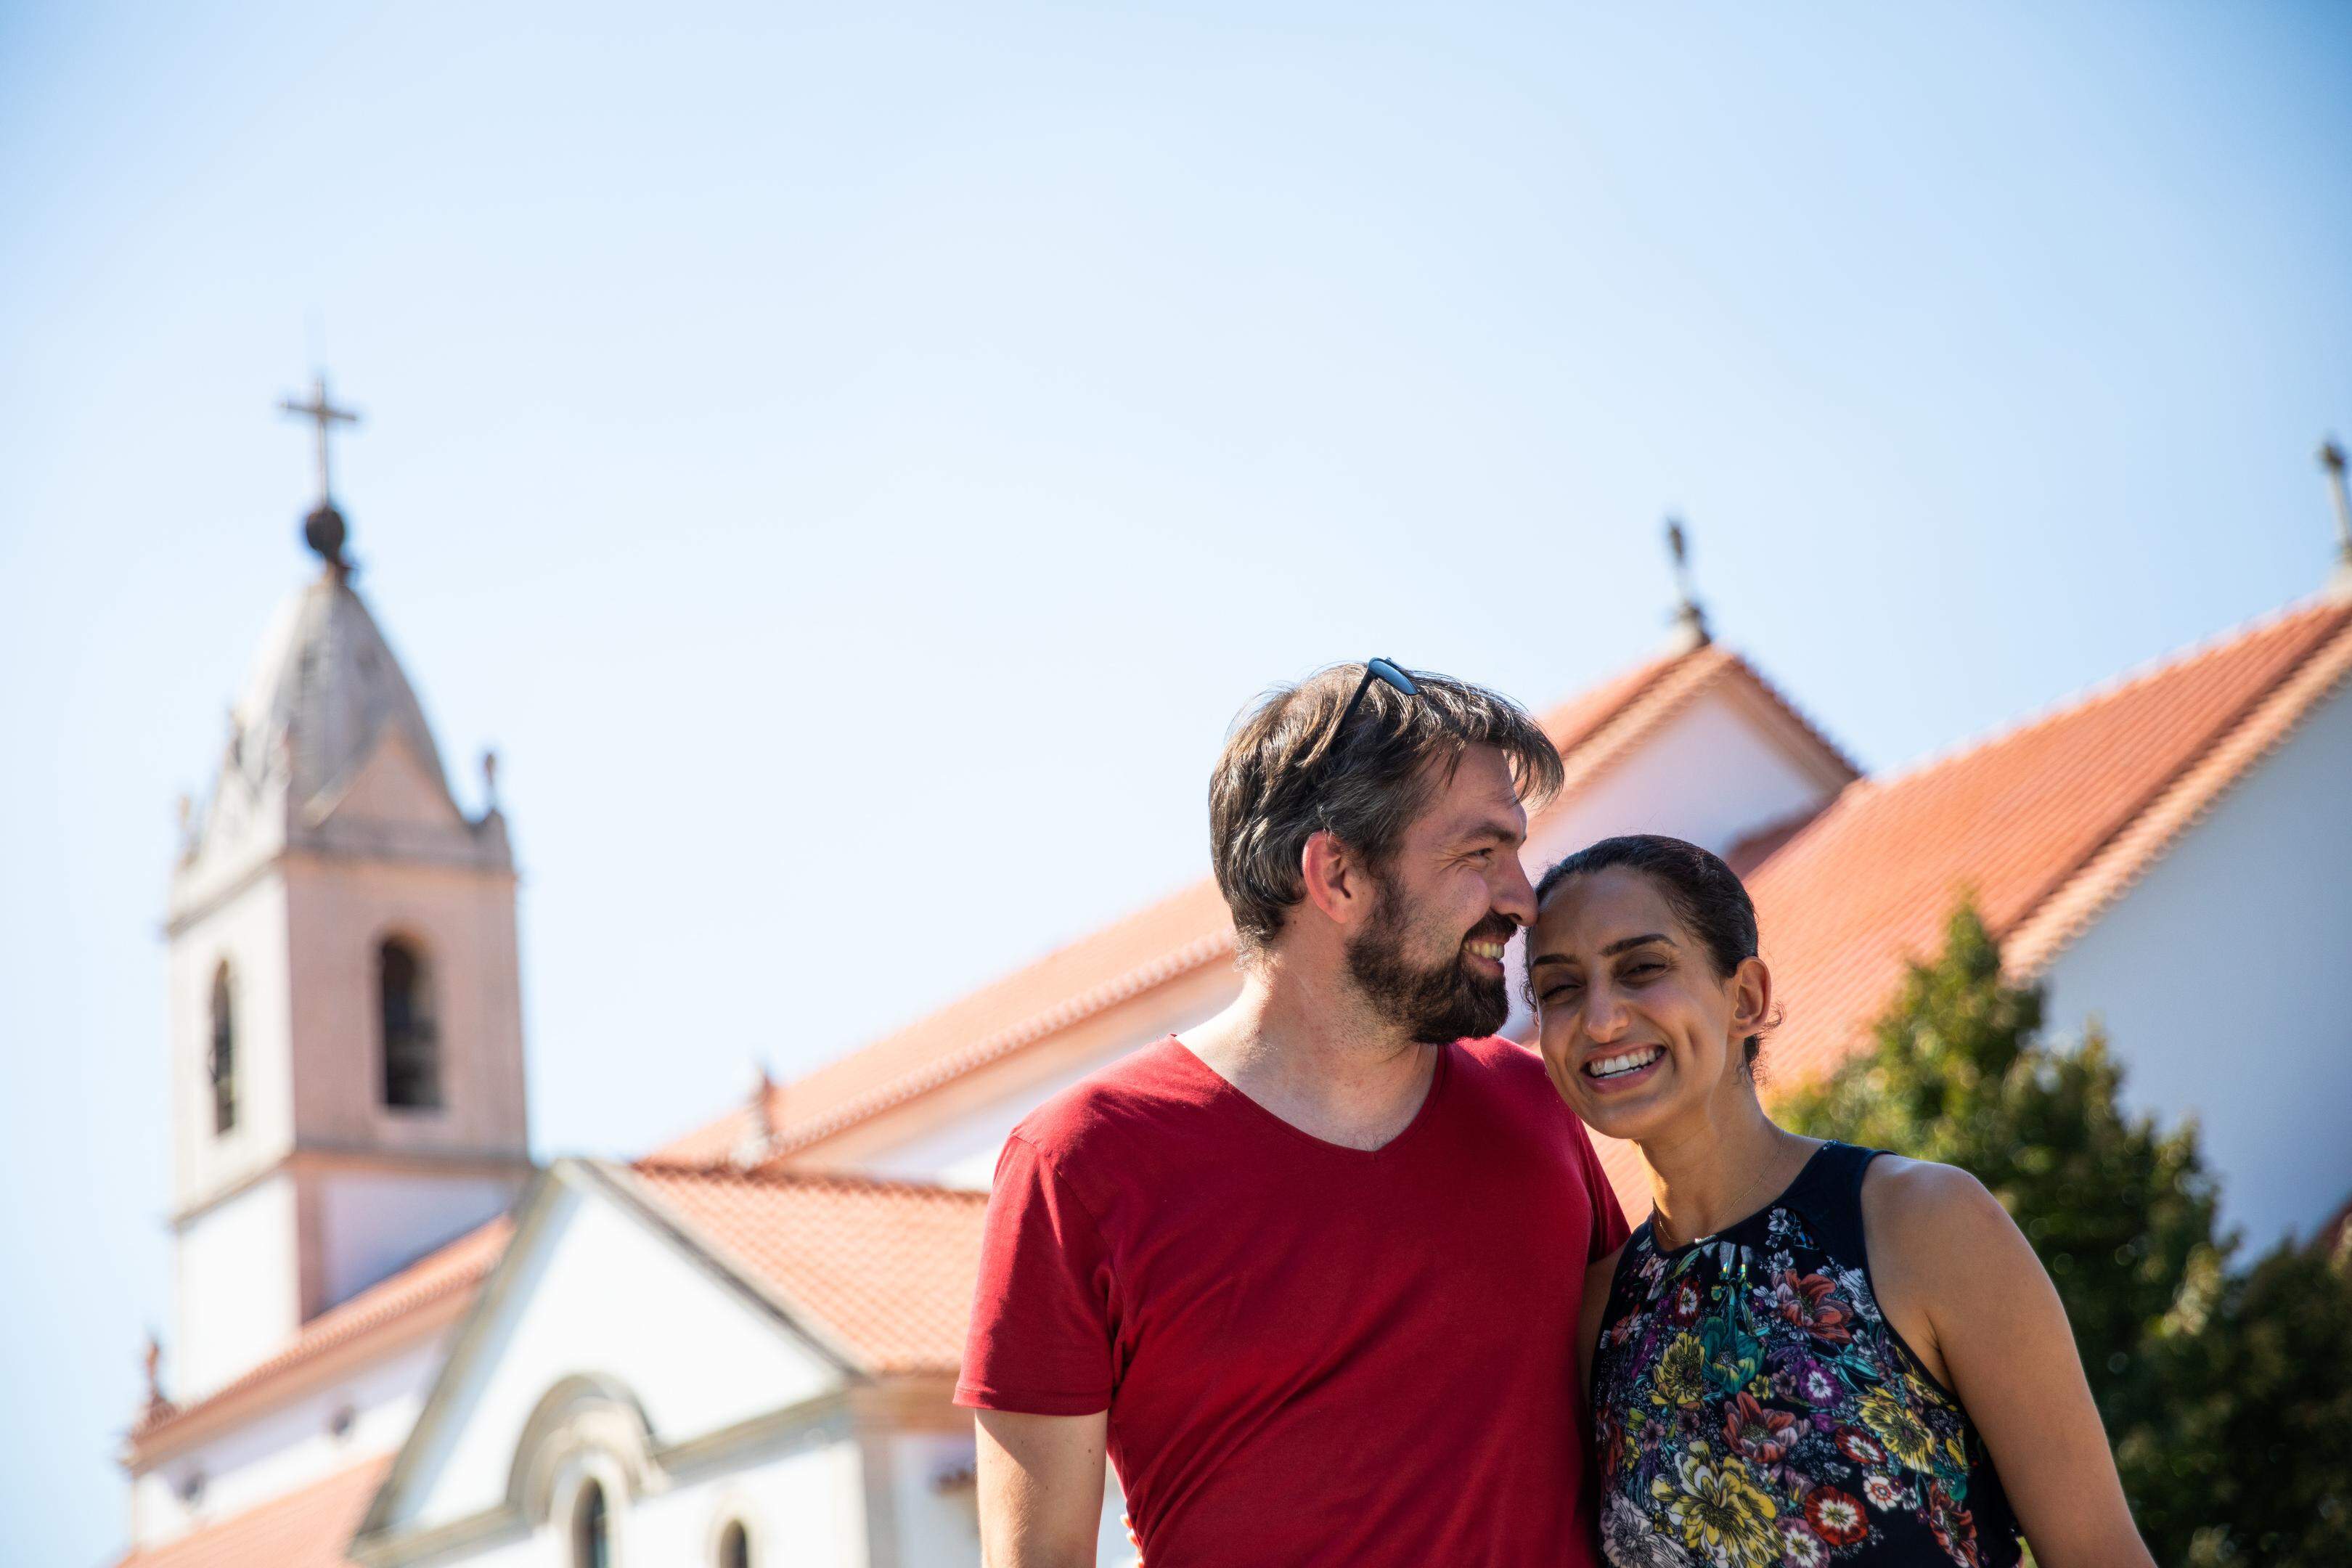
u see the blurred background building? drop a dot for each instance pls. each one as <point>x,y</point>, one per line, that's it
<point>396,1342</point>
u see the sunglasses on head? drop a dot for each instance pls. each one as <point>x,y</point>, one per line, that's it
<point>1385,671</point>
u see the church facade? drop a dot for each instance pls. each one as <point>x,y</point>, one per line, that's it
<point>399,1341</point>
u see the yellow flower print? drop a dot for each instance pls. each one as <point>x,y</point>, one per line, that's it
<point>1892,1423</point>
<point>1719,1512</point>
<point>1681,1372</point>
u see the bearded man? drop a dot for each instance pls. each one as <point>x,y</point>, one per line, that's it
<point>1310,1273</point>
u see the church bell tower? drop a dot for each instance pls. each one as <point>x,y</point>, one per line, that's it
<point>346,1018</point>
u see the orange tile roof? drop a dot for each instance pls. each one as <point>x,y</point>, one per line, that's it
<point>453,1271</point>
<point>1168,940</point>
<point>307,1528</point>
<point>884,1271</point>
<point>2044,825</point>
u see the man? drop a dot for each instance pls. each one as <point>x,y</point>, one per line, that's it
<point>1310,1273</point>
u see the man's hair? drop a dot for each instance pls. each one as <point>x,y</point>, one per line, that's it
<point>1284,776</point>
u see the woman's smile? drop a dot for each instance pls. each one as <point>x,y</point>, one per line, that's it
<point>1620,1068</point>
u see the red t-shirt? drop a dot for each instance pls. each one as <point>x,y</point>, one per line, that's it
<point>1311,1353</point>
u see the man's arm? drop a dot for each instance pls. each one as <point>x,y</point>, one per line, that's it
<point>1041,1489</point>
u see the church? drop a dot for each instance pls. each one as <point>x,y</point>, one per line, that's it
<point>398,1340</point>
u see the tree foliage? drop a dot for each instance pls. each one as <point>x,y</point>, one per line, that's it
<point>2228,1397</point>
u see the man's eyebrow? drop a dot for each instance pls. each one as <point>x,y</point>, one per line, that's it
<point>1624,943</point>
<point>1500,828</point>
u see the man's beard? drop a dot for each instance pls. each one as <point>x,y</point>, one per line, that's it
<point>1438,1005</point>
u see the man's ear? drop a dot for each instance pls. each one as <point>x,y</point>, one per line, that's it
<point>1334,879</point>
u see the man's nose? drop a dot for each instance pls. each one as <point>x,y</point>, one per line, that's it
<point>1514,895</point>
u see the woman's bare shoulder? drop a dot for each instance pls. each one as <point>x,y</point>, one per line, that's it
<point>1904,1193</point>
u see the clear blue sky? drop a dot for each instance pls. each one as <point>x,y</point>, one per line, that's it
<point>853,467</point>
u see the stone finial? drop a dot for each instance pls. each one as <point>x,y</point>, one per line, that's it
<point>489,779</point>
<point>758,1134</point>
<point>2331,461</point>
<point>1688,616</point>
<point>156,1406</point>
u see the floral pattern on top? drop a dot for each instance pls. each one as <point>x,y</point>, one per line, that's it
<point>1752,1407</point>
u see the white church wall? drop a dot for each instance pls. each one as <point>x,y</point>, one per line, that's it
<point>2216,977</point>
<point>291,1445</point>
<point>599,1292</point>
<point>237,1287</point>
<point>937,1519</point>
<point>802,1508</point>
<point>1713,774</point>
<point>372,1224</point>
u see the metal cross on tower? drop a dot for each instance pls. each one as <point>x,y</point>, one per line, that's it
<point>325,416</point>
<point>323,529</point>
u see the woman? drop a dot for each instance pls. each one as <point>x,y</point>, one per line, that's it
<point>1811,1353</point>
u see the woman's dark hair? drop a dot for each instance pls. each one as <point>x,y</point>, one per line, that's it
<point>1703,893</point>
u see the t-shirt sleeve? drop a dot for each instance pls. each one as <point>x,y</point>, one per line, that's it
<point>1609,1228</point>
<point>1041,1340</point>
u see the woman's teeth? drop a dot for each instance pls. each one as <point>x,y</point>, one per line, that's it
<point>1613,1066</point>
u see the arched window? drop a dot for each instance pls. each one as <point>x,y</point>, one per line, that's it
<point>220,1058</point>
<point>734,1546</point>
<point>591,1535</point>
<point>411,1048</point>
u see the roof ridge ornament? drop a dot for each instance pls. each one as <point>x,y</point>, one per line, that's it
<point>324,529</point>
<point>2331,460</point>
<point>1689,616</point>
<point>758,1139</point>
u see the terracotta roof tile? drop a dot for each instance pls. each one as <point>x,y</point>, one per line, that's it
<point>884,1269</point>
<point>452,1270</point>
<point>307,1528</point>
<point>1164,943</point>
<point>2043,825</point>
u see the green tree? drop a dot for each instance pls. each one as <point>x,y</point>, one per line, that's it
<point>2229,1397</point>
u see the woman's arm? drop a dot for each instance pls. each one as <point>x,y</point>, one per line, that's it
<point>1956,1277</point>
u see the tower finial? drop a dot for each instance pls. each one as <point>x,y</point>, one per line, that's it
<point>2331,459</point>
<point>157,1406</point>
<point>323,530</point>
<point>1689,616</point>
<point>758,1134</point>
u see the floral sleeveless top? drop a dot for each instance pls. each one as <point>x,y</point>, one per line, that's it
<point>1752,1406</point>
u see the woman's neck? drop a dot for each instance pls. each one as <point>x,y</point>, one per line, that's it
<point>1716,1169</point>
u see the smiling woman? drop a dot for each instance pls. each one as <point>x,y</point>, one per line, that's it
<point>1808,1353</point>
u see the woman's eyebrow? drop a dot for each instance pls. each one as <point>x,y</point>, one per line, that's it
<point>1622,943</point>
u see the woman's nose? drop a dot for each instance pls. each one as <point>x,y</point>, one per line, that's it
<point>1604,1016</point>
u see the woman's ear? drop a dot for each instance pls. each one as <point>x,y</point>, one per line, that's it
<point>1751,997</point>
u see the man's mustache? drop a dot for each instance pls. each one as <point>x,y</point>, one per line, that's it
<point>1493,928</point>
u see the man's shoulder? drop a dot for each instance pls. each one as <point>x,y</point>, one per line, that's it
<point>1121,1103</point>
